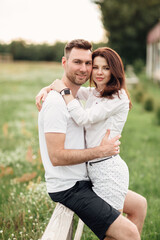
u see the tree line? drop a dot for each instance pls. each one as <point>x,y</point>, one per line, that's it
<point>20,50</point>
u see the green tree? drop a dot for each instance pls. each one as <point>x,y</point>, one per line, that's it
<point>34,52</point>
<point>4,48</point>
<point>58,49</point>
<point>127,23</point>
<point>18,50</point>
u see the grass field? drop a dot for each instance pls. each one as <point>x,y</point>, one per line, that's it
<point>25,207</point>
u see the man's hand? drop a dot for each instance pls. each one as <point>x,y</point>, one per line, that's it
<point>110,146</point>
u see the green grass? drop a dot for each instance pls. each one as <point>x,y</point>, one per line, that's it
<point>25,207</point>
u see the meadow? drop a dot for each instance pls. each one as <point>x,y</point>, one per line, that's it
<point>25,207</point>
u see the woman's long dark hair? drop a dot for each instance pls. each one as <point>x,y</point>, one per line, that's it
<point>116,67</point>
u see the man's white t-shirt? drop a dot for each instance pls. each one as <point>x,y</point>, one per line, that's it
<point>54,117</point>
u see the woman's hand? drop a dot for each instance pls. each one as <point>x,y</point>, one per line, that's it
<point>41,96</point>
<point>58,85</point>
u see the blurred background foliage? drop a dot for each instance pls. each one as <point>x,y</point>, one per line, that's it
<point>127,23</point>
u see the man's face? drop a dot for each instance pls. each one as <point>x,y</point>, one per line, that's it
<point>78,66</point>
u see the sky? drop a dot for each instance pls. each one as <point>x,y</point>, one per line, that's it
<point>48,21</point>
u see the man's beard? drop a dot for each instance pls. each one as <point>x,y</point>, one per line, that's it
<point>75,81</point>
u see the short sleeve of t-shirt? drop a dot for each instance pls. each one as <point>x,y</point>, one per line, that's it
<point>55,113</point>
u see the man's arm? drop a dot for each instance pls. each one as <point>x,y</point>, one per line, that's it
<point>61,157</point>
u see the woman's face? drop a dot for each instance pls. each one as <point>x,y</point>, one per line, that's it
<point>101,73</point>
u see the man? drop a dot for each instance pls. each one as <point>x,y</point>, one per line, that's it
<point>65,169</point>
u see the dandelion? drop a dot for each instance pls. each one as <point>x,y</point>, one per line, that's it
<point>1,231</point>
<point>12,234</point>
<point>29,211</point>
<point>31,217</point>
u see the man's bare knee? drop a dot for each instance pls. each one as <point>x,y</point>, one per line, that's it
<point>123,229</point>
<point>134,233</point>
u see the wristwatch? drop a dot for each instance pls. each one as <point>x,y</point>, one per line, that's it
<point>66,91</point>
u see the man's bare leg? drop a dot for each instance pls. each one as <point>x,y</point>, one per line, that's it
<point>123,229</point>
<point>110,238</point>
<point>135,206</point>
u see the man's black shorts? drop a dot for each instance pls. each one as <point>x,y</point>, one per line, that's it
<point>94,211</point>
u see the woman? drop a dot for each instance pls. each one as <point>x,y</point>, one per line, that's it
<point>107,107</point>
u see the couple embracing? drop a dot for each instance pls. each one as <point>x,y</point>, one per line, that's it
<point>80,146</point>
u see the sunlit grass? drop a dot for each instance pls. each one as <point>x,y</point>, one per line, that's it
<point>25,207</point>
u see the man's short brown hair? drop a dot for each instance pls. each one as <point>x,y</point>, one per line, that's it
<point>77,43</point>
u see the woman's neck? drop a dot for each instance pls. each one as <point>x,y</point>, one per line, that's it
<point>100,88</point>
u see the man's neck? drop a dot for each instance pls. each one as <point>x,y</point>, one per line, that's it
<point>73,87</point>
